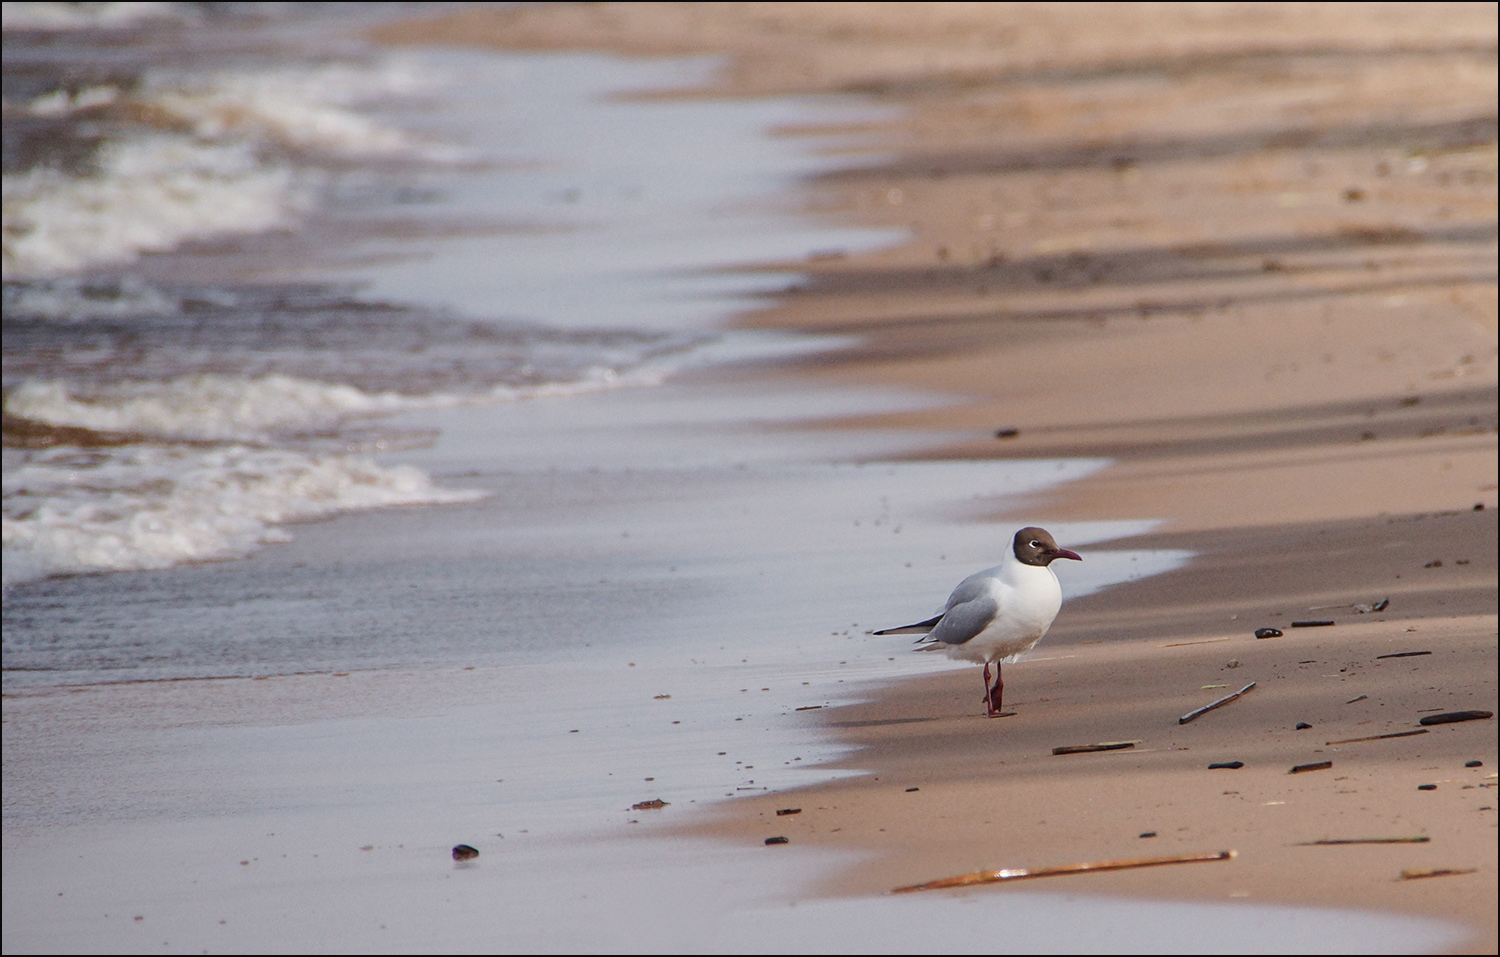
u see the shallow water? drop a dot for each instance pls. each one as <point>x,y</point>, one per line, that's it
<point>228,262</point>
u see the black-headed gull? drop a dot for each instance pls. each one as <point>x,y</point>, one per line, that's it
<point>1000,612</point>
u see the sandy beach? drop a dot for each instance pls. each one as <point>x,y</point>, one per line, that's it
<point>1208,290</point>
<point>1245,251</point>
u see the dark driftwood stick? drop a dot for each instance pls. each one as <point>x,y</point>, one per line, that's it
<point>992,877</point>
<point>1453,716</point>
<point>1377,737</point>
<point>1086,748</point>
<point>1366,840</point>
<point>1209,707</point>
<point>1410,875</point>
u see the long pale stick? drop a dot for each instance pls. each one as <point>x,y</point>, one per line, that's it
<point>1014,874</point>
<point>1217,704</point>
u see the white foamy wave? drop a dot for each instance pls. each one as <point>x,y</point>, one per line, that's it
<point>207,166</point>
<point>203,407</point>
<point>73,300</point>
<point>77,16</point>
<point>306,108</point>
<point>592,379</point>
<point>70,511</point>
<point>65,102</point>
<point>147,194</point>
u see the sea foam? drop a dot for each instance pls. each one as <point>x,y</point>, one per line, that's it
<point>150,193</point>
<point>207,407</point>
<point>70,511</point>
<point>200,155</point>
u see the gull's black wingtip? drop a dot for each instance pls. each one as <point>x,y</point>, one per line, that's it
<point>919,628</point>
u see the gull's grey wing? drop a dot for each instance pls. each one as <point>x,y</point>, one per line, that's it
<point>920,628</point>
<point>965,619</point>
<point>975,586</point>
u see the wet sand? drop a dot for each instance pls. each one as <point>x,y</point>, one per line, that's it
<point>1248,253</point>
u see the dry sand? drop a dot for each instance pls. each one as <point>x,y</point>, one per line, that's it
<point>1248,252</point>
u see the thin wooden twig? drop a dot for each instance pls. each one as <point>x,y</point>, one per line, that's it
<point>1412,875</point>
<point>1183,644</point>
<point>1103,746</point>
<point>1377,737</point>
<point>1217,704</point>
<point>1021,873</point>
<point>1421,839</point>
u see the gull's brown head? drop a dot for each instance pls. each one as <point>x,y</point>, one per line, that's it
<point>1036,546</point>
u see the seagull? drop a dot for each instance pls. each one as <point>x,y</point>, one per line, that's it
<point>1000,612</point>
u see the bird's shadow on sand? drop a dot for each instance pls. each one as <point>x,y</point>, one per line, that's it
<point>879,722</point>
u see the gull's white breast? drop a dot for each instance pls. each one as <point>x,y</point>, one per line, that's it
<point>1027,598</point>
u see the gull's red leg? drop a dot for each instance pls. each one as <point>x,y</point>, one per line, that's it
<point>994,694</point>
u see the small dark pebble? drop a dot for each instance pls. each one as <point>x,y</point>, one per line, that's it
<point>650,805</point>
<point>777,840</point>
<point>1316,766</point>
<point>1426,787</point>
<point>1303,726</point>
<point>1231,765</point>
<point>1007,433</point>
<point>909,790</point>
<point>1473,764</point>
<point>1478,506</point>
<point>1268,632</point>
<point>788,810</point>
<point>1435,563</point>
<point>463,852</point>
<point>1404,654</point>
<point>1312,623</point>
<point>1148,834</point>
<point>1451,717</point>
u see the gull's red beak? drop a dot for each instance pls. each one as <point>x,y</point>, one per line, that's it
<point>1064,553</point>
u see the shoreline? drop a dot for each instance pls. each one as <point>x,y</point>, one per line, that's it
<point>1239,259</point>
<point>1259,277</point>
